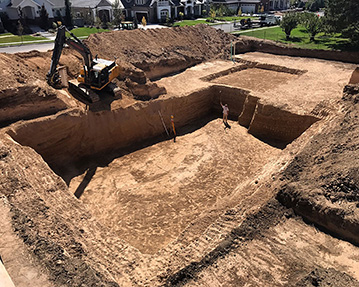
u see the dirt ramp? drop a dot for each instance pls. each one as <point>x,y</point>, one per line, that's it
<point>322,182</point>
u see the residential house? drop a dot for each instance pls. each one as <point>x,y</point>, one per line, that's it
<point>161,10</point>
<point>279,4</point>
<point>250,6</point>
<point>89,10</point>
<point>254,6</point>
<point>58,9</point>
<point>29,9</point>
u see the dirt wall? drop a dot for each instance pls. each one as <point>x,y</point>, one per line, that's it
<point>160,52</point>
<point>277,125</point>
<point>28,102</point>
<point>74,134</point>
<point>250,44</point>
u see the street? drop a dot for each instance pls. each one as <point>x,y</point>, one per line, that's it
<point>42,47</point>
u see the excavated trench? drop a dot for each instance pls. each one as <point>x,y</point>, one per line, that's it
<point>145,188</point>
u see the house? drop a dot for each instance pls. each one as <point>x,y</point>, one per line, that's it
<point>161,10</point>
<point>29,9</point>
<point>250,6</point>
<point>279,4</point>
<point>58,9</point>
<point>89,10</point>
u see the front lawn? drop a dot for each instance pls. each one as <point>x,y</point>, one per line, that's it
<point>190,23</point>
<point>203,21</point>
<point>300,38</point>
<point>86,31</point>
<point>15,39</point>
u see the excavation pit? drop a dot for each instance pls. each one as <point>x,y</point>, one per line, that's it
<point>147,196</point>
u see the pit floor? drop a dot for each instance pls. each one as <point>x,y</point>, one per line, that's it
<point>255,79</point>
<point>149,196</point>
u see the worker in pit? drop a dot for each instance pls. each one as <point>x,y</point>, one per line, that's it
<point>225,112</point>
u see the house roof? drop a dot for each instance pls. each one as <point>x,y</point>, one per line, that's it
<point>131,3</point>
<point>113,2</point>
<point>171,2</point>
<point>89,3</point>
<point>58,3</point>
<point>17,3</point>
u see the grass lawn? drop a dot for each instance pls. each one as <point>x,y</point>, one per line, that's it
<point>232,18</point>
<point>5,35</point>
<point>10,38</point>
<point>202,21</point>
<point>85,31</point>
<point>190,23</point>
<point>300,38</point>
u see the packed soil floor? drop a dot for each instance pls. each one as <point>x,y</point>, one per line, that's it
<point>105,194</point>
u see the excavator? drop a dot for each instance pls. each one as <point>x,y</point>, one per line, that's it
<point>95,76</point>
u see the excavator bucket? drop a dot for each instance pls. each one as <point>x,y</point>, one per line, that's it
<point>355,77</point>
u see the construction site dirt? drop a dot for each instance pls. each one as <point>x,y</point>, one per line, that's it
<point>101,194</point>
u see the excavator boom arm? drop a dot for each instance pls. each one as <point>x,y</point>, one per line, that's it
<point>75,43</point>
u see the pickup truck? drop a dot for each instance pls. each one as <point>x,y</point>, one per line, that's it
<point>268,20</point>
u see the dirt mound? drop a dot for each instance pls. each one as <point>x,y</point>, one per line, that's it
<point>327,277</point>
<point>162,51</point>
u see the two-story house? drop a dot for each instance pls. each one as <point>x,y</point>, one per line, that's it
<point>88,10</point>
<point>28,9</point>
<point>161,10</point>
<point>279,4</point>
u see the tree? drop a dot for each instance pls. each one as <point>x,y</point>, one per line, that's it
<point>288,23</point>
<point>117,13</point>
<point>213,13</point>
<point>97,22</point>
<point>239,12</point>
<point>68,16</point>
<point>312,24</point>
<point>342,16</point>
<point>44,17</point>
<point>20,30</point>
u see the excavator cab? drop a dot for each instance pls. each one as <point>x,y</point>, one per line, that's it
<point>95,75</point>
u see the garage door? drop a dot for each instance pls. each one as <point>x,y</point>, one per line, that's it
<point>248,8</point>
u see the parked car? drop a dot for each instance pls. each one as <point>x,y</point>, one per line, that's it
<point>268,20</point>
<point>128,25</point>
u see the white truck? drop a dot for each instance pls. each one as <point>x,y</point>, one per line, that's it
<point>268,20</point>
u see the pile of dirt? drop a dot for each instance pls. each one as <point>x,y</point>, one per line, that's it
<point>321,277</point>
<point>162,51</point>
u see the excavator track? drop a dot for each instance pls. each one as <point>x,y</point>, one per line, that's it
<point>85,93</point>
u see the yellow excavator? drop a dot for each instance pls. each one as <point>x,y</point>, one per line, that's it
<point>95,76</point>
